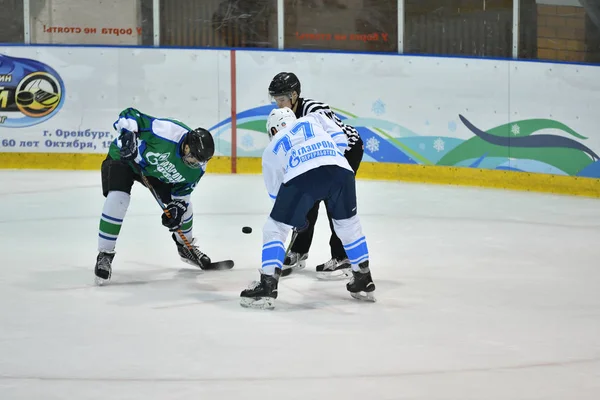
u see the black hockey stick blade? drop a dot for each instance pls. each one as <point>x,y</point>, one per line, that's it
<point>220,265</point>
<point>288,271</point>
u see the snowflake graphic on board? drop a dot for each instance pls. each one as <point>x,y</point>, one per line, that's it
<point>439,144</point>
<point>372,144</point>
<point>515,129</point>
<point>452,126</point>
<point>378,107</point>
<point>247,141</point>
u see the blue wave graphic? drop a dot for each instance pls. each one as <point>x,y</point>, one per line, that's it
<point>591,171</point>
<point>533,166</point>
<point>384,151</point>
<point>507,168</point>
<point>478,161</point>
<point>396,146</point>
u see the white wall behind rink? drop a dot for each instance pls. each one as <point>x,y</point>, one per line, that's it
<point>400,99</point>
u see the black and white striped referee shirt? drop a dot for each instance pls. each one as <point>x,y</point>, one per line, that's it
<point>307,106</point>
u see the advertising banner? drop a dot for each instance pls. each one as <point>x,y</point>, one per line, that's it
<point>432,111</point>
<point>66,99</point>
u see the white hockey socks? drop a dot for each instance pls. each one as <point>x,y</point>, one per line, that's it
<point>187,225</point>
<point>350,233</point>
<point>273,251</point>
<point>113,213</point>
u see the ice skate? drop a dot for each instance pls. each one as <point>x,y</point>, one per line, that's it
<point>334,269</point>
<point>103,269</point>
<point>194,256</point>
<point>361,284</point>
<point>261,294</point>
<point>294,262</point>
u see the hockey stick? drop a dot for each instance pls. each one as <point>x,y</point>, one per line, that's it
<point>286,272</point>
<point>225,264</point>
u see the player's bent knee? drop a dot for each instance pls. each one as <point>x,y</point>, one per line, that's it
<point>119,201</point>
<point>274,230</point>
<point>348,230</point>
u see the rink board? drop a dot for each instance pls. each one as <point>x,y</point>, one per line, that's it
<point>495,123</point>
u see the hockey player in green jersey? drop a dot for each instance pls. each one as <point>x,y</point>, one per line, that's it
<point>173,157</point>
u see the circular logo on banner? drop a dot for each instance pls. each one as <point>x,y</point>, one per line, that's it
<point>38,94</point>
<point>30,92</point>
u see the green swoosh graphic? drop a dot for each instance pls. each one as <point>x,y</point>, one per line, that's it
<point>529,126</point>
<point>571,161</point>
<point>473,148</point>
<point>258,126</point>
<point>397,129</point>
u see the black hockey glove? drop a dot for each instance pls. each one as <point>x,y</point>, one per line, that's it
<point>176,209</point>
<point>129,147</point>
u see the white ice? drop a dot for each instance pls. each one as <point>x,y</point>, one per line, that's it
<point>482,294</point>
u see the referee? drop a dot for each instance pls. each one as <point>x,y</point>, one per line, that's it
<point>285,90</point>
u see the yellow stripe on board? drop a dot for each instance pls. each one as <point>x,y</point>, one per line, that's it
<point>463,176</point>
<point>68,161</point>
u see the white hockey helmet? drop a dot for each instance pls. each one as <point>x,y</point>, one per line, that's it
<point>279,118</point>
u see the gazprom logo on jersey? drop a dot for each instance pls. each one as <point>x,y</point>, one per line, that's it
<point>157,158</point>
<point>31,92</point>
<point>165,167</point>
<point>306,153</point>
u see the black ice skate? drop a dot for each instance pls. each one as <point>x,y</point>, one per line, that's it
<point>261,294</point>
<point>334,269</point>
<point>103,269</point>
<point>361,284</point>
<point>194,256</point>
<point>294,262</point>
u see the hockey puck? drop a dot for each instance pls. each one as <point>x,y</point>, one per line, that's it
<point>247,229</point>
<point>25,98</point>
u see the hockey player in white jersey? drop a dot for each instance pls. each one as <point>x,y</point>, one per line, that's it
<point>304,163</point>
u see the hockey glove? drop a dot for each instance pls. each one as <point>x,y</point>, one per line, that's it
<point>176,209</point>
<point>129,146</point>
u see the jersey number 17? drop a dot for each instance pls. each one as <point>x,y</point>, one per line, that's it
<point>285,142</point>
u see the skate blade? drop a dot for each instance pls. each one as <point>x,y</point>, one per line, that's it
<point>260,303</point>
<point>364,296</point>
<point>338,275</point>
<point>101,282</point>
<point>185,260</point>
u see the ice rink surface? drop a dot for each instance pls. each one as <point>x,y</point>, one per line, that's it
<point>482,294</point>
